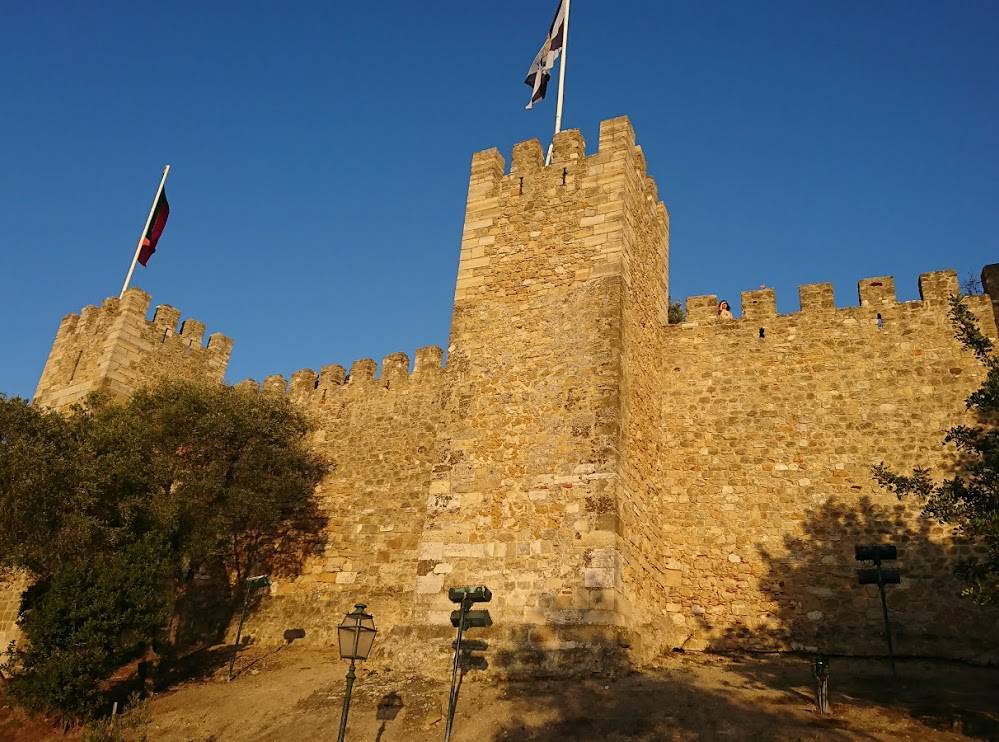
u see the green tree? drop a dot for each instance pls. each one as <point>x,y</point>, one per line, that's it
<point>675,313</point>
<point>185,478</point>
<point>968,501</point>
<point>225,474</point>
<point>40,486</point>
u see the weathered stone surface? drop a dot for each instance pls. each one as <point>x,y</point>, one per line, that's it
<point>115,349</point>
<point>618,482</point>
<point>11,587</point>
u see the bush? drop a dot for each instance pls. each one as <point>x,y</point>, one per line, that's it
<point>84,623</point>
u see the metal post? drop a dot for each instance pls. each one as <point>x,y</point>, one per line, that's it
<point>239,630</point>
<point>884,609</point>
<point>561,79</point>
<point>451,703</point>
<point>820,671</point>
<point>346,702</point>
<point>138,247</point>
<point>561,68</point>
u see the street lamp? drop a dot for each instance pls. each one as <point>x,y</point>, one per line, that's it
<point>356,634</point>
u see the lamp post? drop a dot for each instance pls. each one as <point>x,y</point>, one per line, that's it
<point>355,634</point>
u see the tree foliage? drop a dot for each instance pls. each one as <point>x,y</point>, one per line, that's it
<point>113,507</point>
<point>84,622</point>
<point>675,313</point>
<point>968,501</point>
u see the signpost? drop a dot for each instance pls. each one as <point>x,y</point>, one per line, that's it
<point>878,553</point>
<point>464,618</point>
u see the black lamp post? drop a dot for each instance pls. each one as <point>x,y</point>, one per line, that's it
<point>356,634</point>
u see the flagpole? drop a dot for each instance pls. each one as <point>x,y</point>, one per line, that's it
<point>561,79</point>
<point>145,229</point>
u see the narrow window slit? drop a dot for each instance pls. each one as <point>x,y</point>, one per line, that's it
<point>763,334</point>
<point>76,365</point>
<point>521,186</point>
<point>565,172</point>
<point>881,322</point>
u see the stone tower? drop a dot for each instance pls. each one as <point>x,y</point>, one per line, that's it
<point>114,348</point>
<point>561,266</point>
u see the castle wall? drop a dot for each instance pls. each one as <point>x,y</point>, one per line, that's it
<point>618,482</point>
<point>379,435</point>
<point>11,587</point>
<point>643,316</point>
<point>114,348</point>
<point>769,425</point>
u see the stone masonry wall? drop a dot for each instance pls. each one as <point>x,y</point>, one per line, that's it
<point>379,434</point>
<point>525,498</point>
<point>770,424</point>
<point>644,315</point>
<point>11,587</point>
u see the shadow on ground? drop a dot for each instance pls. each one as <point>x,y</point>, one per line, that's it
<point>705,697</point>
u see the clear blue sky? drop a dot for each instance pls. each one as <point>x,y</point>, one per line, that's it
<point>321,153</point>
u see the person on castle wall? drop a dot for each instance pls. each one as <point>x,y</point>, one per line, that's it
<point>724,310</point>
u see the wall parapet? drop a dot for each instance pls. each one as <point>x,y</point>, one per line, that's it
<point>876,294</point>
<point>568,146</point>
<point>135,305</point>
<point>117,348</point>
<point>308,387</point>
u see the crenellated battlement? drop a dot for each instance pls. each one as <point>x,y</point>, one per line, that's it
<point>310,388</point>
<point>571,169</point>
<point>568,148</point>
<point>876,297</point>
<point>135,305</point>
<point>538,229</point>
<point>116,348</point>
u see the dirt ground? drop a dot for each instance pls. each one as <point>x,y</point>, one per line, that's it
<point>296,694</point>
